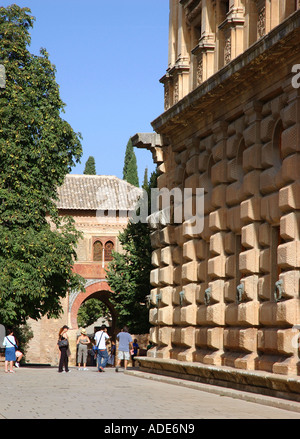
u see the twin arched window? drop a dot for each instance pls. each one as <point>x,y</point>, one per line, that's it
<point>101,253</point>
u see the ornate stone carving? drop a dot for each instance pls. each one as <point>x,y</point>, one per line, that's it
<point>200,70</point>
<point>227,50</point>
<point>261,23</point>
<point>176,91</point>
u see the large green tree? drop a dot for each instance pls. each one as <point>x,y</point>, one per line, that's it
<point>130,171</point>
<point>129,274</point>
<point>37,149</point>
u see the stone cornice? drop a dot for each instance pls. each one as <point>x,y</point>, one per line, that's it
<point>280,43</point>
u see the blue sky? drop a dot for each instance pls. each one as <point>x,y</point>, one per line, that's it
<point>109,57</point>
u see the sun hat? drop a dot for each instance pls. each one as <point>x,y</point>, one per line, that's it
<point>83,331</point>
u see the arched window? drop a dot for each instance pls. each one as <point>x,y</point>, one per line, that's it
<point>109,246</point>
<point>97,251</point>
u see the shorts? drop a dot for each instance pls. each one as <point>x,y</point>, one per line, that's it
<point>10,354</point>
<point>18,354</point>
<point>123,355</point>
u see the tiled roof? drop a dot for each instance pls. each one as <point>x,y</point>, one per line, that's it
<point>97,192</point>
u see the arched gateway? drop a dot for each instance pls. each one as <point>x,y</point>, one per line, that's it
<point>94,289</point>
<point>100,206</point>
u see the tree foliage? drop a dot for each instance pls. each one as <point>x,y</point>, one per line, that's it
<point>37,149</point>
<point>130,171</point>
<point>90,311</point>
<point>129,274</point>
<point>90,166</point>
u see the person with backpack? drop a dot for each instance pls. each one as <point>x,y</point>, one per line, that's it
<point>101,338</point>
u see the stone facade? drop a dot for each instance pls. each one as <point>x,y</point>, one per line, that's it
<point>100,218</point>
<point>229,296</point>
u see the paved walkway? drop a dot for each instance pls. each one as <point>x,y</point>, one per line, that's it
<point>43,393</point>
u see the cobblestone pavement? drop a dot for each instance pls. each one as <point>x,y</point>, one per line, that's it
<point>43,393</point>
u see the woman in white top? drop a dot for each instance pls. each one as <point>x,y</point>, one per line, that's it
<point>10,350</point>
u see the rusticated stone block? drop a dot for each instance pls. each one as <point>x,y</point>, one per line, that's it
<point>265,261</point>
<point>289,255</point>
<point>270,211</point>
<point>165,316</point>
<point>153,334</point>
<point>166,294</point>
<point>177,255</point>
<point>230,290</point>
<point>218,220</point>
<point>267,127</point>
<point>250,287</point>
<point>229,243</point>
<point>190,293</point>
<point>289,115</point>
<point>184,337</point>
<point>289,226</point>
<point>230,266</point>
<point>265,288</point>
<point>250,209</point>
<point>165,336</point>
<point>192,165</point>
<point>243,314</point>
<point>244,340</point>
<point>250,235</point>
<point>166,255</point>
<point>216,266</point>
<point>252,157</point>
<point>289,197</point>
<point>291,168</point>
<point>234,219</point>
<point>153,294</point>
<point>281,313</point>
<point>264,235</point>
<point>211,315</point>
<point>155,239</point>
<point>268,180</point>
<point>291,283</point>
<point>249,261</point>
<point>277,341</point>
<point>178,174</point>
<point>201,249</point>
<point>153,312</point>
<point>177,275</point>
<point>289,141</point>
<point>165,275</point>
<point>154,279</point>
<point>250,134</point>
<point>155,258</point>
<point>176,295</point>
<point>211,338</point>
<point>218,195</point>
<point>167,235</point>
<point>216,245</point>
<point>190,250</point>
<point>216,291</point>
<point>188,315</point>
<point>251,182</point>
<point>189,271</point>
<point>192,182</point>
<point>202,271</point>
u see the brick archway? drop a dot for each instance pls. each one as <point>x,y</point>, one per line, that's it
<point>98,289</point>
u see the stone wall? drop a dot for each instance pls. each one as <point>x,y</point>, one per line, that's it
<point>229,295</point>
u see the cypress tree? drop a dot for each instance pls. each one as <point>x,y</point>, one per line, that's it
<point>130,172</point>
<point>90,166</point>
